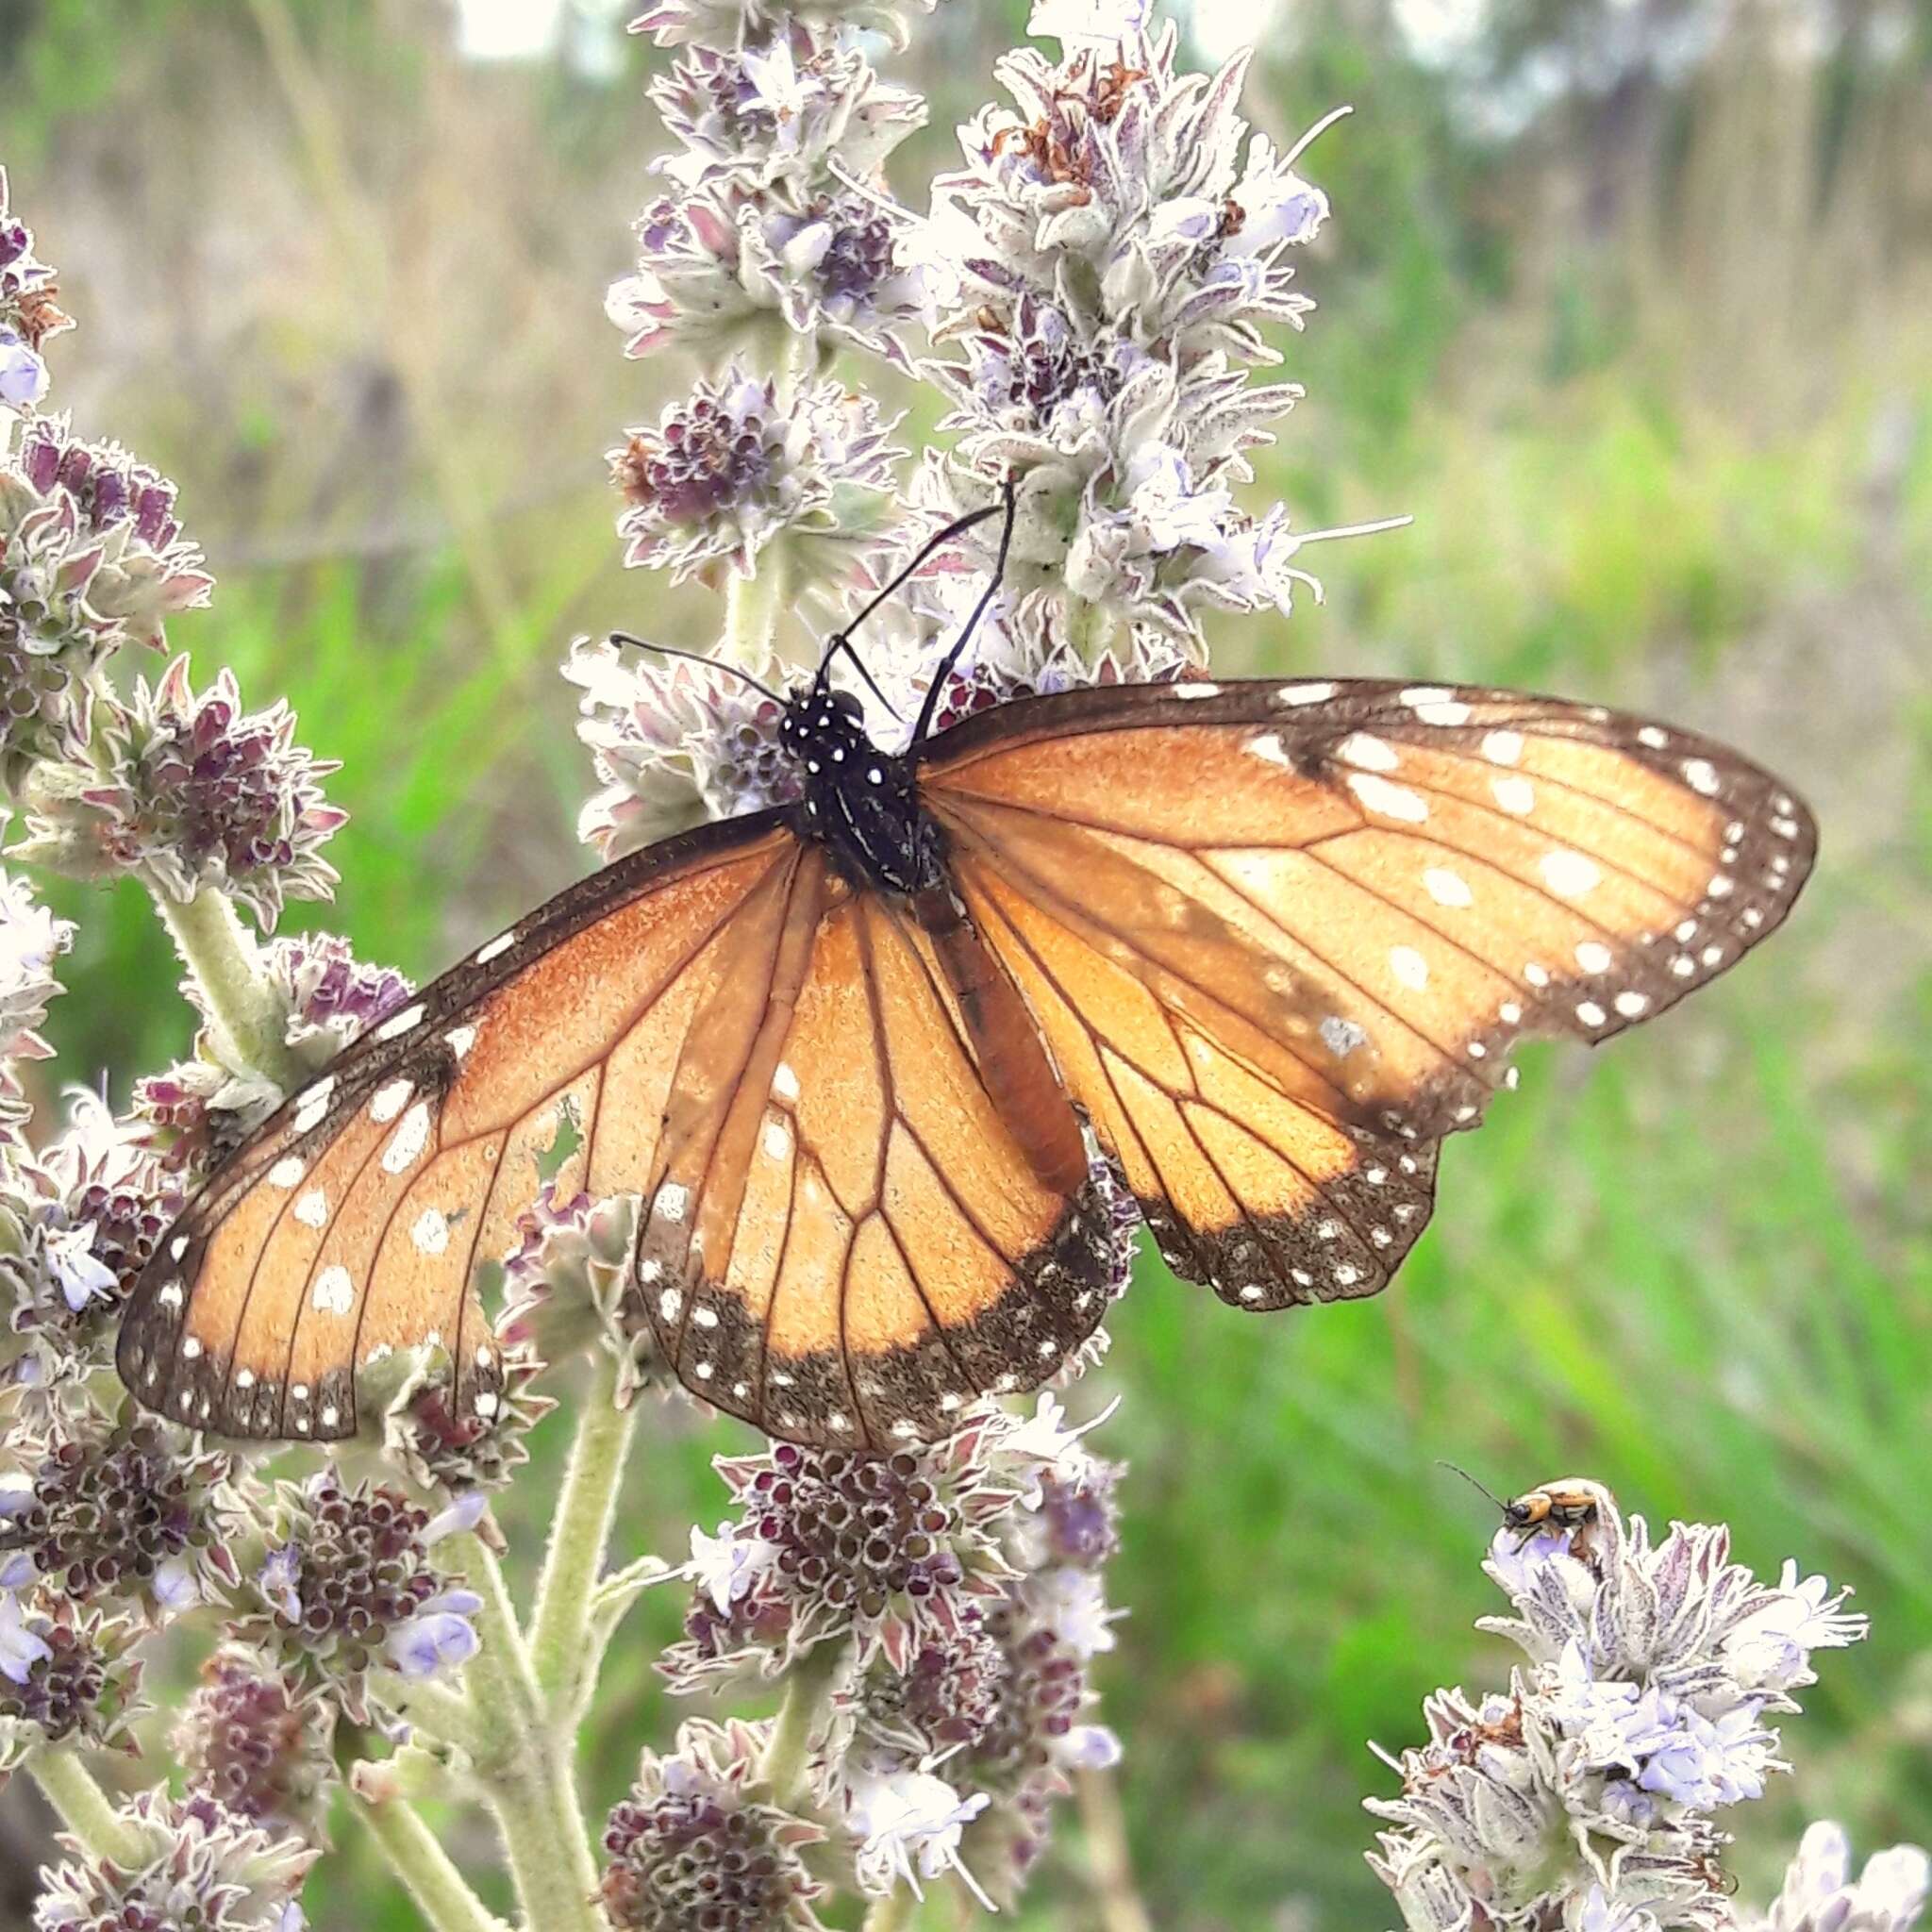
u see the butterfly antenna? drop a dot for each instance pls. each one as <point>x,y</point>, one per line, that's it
<point>1481,1489</point>
<point>937,542</point>
<point>1008,503</point>
<point>841,642</point>
<point>624,637</point>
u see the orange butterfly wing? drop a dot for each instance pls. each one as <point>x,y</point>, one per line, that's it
<point>350,1224</point>
<point>844,1241</point>
<point>1279,937</point>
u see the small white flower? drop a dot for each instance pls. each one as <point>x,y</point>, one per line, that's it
<point>1820,1895</point>
<point>1072,1603</point>
<point>725,1566</point>
<point>909,1825</point>
<point>1771,1650</point>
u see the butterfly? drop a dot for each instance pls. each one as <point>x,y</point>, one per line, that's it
<point>871,1060</point>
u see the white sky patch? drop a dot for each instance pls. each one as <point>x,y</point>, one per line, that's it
<point>508,29</point>
<point>1220,28</point>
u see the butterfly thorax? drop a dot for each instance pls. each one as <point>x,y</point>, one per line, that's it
<point>861,803</point>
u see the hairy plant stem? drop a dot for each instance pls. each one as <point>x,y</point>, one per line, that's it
<point>524,1766</point>
<point>425,1871</point>
<point>752,606</point>
<point>783,1769</point>
<point>565,1646</point>
<point>85,1810</point>
<point>221,954</point>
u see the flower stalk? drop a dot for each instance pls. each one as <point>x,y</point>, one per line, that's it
<point>227,966</point>
<point>422,1866</point>
<point>84,1808</point>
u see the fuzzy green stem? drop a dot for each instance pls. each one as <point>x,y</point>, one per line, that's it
<point>221,954</point>
<point>425,1869</point>
<point>85,1810</point>
<point>523,1765</point>
<point>532,1793</point>
<point>562,1651</point>
<point>752,607</point>
<point>783,1771</point>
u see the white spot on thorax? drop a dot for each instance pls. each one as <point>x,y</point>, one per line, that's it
<point>335,1293</point>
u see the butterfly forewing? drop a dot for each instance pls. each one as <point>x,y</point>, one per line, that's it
<point>1280,938</point>
<point>351,1225</point>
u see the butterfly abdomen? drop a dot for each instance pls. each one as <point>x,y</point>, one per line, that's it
<point>1006,1043</point>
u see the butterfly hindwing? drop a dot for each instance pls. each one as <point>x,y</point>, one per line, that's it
<point>1280,937</point>
<point>842,1239</point>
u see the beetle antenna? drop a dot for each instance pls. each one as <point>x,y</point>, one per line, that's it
<point>1481,1489</point>
<point>624,637</point>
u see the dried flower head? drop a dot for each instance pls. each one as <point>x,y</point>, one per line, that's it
<point>348,1588</point>
<point>65,1674</point>
<point>77,1223</point>
<point>190,790</point>
<point>28,314</point>
<point>674,743</point>
<point>796,109</point>
<point>438,1448</point>
<point>97,1509</point>
<point>205,1869</point>
<point>91,552</point>
<point>735,466</point>
<point>727,22</point>
<point>1643,1706</point>
<point>200,1109</point>
<point>896,1551</point>
<point>257,1744</point>
<point>688,1848</point>
<point>31,938</point>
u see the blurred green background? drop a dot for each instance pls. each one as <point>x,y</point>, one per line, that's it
<point>1629,303</point>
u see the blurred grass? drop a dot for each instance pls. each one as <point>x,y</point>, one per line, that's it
<point>1664,457</point>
